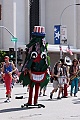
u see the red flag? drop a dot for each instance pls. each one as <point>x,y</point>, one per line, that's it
<point>68,50</point>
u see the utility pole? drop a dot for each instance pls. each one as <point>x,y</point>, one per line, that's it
<point>61,20</point>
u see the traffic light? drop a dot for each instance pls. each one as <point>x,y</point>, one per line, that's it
<point>11,53</point>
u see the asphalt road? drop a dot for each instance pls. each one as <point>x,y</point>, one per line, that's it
<point>64,109</point>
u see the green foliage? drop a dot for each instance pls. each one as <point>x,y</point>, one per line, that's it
<point>48,60</point>
<point>2,54</point>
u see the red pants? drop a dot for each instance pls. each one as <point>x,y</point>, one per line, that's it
<point>65,90</point>
<point>31,93</point>
<point>8,80</point>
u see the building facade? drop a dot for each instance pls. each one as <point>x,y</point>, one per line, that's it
<point>19,17</point>
<point>15,17</point>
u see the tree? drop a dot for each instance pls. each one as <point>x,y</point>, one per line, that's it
<point>2,54</point>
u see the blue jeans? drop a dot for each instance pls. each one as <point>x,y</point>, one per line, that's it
<point>74,83</point>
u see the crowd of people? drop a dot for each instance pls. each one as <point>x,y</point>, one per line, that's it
<point>62,75</point>
<point>65,75</point>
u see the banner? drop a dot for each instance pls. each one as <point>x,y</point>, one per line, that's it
<point>63,32</point>
<point>57,34</point>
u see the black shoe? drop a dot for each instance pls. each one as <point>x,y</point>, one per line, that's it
<point>75,95</point>
<point>7,101</point>
<point>64,97</point>
<point>40,93</point>
<point>58,98</point>
<point>27,104</point>
<point>44,95</point>
<point>51,95</point>
<point>70,94</point>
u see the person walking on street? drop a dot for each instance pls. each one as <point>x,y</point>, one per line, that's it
<point>55,75</point>
<point>73,77</point>
<point>8,69</point>
<point>65,76</point>
<point>44,90</point>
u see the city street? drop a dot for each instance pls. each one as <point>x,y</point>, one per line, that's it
<point>64,109</point>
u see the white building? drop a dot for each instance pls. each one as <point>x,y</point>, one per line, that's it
<point>15,15</point>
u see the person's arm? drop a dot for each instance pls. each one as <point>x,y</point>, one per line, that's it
<point>30,74</point>
<point>71,71</point>
<point>2,69</point>
<point>52,73</point>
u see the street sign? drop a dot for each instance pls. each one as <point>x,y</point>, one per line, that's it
<point>14,39</point>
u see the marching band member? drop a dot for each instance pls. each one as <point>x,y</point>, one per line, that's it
<point>55,74</point>
<point>66,63</point>
<point>60,80</point>
<point>79,75</point>
<point>64,77</point>
<point>74,80</point>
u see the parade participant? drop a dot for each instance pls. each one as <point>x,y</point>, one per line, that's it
<point>65,76</point>
<point>55,75</point>
<point>8,69</point>
<point>34,72</point>
<point>68,63</point>
<point>73,77</point>
<point>79,75</point>
<point>44,90</point>
<point>60,81</point>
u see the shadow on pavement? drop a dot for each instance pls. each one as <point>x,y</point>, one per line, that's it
<point>2,89</point>
<point>2,98</point>
<point>14,109</point>
<point>20,93</point>
<point>76,101</point>
<point>1,102</point>
<point>54,99</point>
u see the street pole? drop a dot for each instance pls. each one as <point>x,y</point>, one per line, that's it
<point>61,54</point>
<point>61,23</point>
<point>15,43</point>
<point>16,53</point>
<point>60,51</point>
<point>64,10</point>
